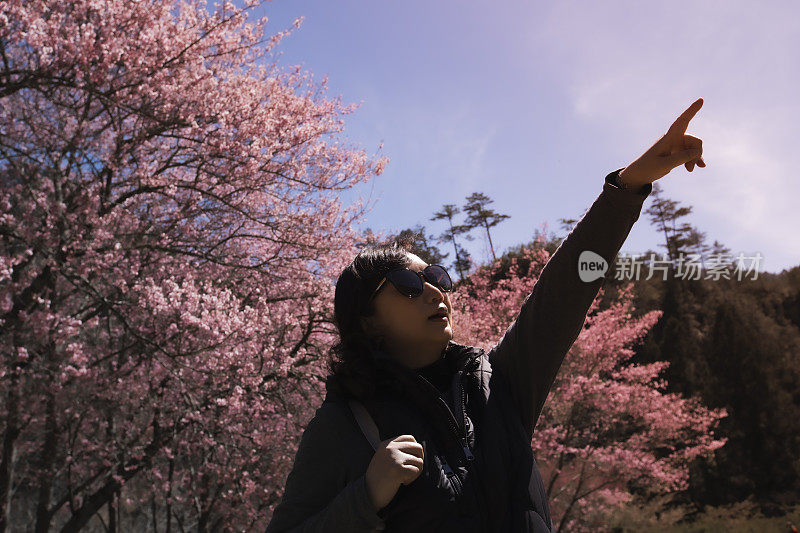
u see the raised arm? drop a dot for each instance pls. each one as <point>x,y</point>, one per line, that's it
<point>316,498</point>
<point>534,346</point>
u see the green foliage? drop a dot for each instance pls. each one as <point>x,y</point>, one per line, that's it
<point>726,343</point>
<point>462,261</point>
<point>665,515</point>
<point>416,241</point>
<point>480,216</point>
<point>680,237</point>
<point>412,239</point>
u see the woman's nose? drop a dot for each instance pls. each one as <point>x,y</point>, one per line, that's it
<point>432,292</point>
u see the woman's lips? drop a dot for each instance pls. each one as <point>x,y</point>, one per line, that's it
<point>438,318</point>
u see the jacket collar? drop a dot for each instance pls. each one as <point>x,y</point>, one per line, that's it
<point>395,378</point>
<point>457,356</point>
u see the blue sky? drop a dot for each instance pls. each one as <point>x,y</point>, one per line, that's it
<point>534,103</point>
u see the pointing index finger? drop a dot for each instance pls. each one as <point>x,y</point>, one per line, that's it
<point>682,122</point>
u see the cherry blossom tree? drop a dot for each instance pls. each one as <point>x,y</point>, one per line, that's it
<point>170,233</point>
<point>609,431</point>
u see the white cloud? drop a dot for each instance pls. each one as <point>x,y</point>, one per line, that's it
<point>630,69</point>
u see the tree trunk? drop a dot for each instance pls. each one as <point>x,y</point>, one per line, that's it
<point>43,512</point>
<point>455,249</point>
<point>491,246</point>
<point>9,451</point>
<point>169,495</point>
<point>154,513</point>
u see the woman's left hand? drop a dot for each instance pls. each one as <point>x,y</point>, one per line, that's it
<point>675,148</point>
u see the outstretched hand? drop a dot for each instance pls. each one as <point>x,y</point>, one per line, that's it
<point>673,149</point>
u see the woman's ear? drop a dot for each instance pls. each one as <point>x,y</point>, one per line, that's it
<point>373,332</point>
<point>368,324</point>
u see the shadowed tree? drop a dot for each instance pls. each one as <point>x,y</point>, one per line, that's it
<point>462,260</point>
<point>568,223</point>
<point>412,239</point>
<point>679,237</point>
<point>415,241</point>
<point>478,215</point>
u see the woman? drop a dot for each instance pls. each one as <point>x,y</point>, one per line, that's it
<point>457,423</point>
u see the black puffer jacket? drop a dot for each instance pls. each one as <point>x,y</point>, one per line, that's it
<point>479,472</point>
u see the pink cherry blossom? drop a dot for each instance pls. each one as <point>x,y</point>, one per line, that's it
<point>608,427</point>
<point>170,231</point>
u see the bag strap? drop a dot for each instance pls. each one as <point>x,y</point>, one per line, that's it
<point>370,431</point>
<point>366,423</point>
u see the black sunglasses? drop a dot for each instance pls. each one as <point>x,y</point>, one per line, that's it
<point>411,283</point>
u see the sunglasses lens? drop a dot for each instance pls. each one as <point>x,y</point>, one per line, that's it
<point>439,277</point>
<point>406,282</point>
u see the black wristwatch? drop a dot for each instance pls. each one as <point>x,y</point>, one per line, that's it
<point>618,182</point>
<point>613,179</point>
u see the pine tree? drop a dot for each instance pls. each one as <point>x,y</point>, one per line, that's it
<point>679,237</point>
<point>462,261</point>
<point>416,242</point>
<point>479,216</point>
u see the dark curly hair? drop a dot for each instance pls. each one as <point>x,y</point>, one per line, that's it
<point>351,367</point>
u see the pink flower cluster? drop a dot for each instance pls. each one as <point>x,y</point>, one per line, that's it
<point>170,230</point>
<point>608,428</point>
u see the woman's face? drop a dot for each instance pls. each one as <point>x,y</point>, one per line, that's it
<point>409,334</point>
